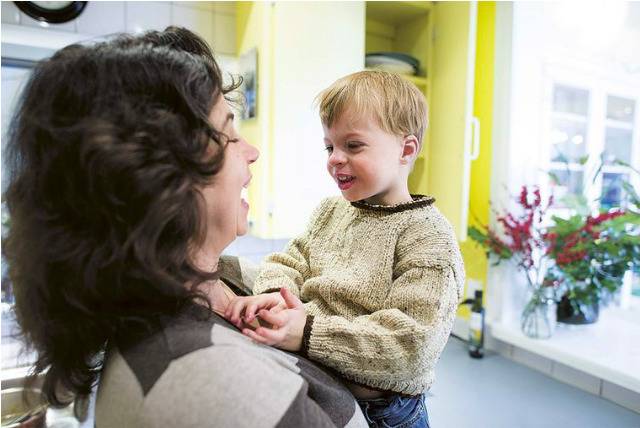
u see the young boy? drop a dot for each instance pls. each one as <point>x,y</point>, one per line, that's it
<point>379,270</point>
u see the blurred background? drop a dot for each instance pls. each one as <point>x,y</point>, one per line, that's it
<point>541,94</point>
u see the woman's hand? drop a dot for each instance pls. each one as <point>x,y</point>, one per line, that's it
<point>288,324</point>
<point>242,310</point>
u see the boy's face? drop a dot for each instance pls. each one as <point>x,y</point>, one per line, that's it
<point>365,161</point>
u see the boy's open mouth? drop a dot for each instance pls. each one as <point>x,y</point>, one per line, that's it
<point>345,181</point>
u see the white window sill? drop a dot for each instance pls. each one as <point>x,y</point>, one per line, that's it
<point>608,349</point>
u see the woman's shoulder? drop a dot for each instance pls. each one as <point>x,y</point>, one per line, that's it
<point>192,369</point>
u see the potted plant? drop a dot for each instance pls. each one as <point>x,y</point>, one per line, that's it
<point>591,254</point>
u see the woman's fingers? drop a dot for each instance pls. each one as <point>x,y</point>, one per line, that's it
<point>243,309</point>
<point>264,301</point>
<point>277,319</point>
<point>235,310</point>
<point>250,312</point>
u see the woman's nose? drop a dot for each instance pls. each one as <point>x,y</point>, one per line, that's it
<point>252,152</point>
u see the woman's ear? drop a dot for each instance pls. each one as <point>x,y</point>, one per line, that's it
<point>410,149</point>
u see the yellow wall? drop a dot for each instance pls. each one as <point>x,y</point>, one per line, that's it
<point>474,258</point>
<point>254,30</point>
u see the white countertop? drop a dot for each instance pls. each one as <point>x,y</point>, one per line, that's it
<point>608,349</point>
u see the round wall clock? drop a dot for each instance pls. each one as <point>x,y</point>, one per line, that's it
<point>52,12</point>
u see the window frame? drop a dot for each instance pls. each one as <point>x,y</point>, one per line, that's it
<point>599,87</point>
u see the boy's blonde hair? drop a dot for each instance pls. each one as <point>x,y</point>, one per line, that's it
<point>397,104</point>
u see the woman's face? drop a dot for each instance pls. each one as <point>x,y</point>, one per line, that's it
<point>226,209</point>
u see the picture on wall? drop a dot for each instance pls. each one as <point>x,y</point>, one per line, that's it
<point>249,71</point>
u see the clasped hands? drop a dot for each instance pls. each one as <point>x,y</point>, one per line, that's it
<point>283,311</point>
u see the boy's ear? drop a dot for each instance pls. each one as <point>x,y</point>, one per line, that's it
<point>410,149</point>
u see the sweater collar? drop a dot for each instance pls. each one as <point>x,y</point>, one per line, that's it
<point>418,201</point>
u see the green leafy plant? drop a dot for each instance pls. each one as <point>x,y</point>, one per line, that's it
<point>592,253</point>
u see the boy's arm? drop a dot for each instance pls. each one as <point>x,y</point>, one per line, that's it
<point>397,347</point>
<point>290,268</point>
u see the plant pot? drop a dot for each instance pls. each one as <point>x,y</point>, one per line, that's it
<point>567,314</point>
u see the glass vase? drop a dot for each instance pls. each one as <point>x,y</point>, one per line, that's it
<point>539,315</point>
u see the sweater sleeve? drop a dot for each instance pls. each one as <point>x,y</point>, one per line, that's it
<point>290,268</point>
<point>397,347</point>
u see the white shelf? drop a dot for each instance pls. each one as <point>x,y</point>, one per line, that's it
<point>608,349</point>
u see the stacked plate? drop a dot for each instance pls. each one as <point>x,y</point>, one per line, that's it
<point>393,62</point>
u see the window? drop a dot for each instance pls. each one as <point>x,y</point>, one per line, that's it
<point>569,123</point>
<point>617,153</point>
<point>13,79</point>
<point>592,144</point>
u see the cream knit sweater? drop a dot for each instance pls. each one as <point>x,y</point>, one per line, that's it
<point>381,286</point>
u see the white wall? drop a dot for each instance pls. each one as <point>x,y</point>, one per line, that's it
<point>315,44</point>
<point>214,21</point>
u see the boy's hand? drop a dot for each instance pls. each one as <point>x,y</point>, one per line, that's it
<point>288,324</point>
<point>242,310</point>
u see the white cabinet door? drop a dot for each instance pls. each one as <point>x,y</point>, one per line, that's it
<point>314,43</point>
<point>452,79</point>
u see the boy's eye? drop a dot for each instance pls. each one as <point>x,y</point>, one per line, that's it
<point>329,149</point>
<point>352,145</point>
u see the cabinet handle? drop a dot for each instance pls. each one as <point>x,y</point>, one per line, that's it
<point>475,148</point>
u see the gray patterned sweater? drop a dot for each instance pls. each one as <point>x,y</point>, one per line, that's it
<point>199,371</point>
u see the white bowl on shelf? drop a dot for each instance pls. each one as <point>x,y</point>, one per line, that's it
<point>392,62</point>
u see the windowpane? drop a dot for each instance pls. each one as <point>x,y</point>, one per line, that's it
<point>612,191</point>
<point>568,138</point>
<point>567,99</point>
<point>620,109</point>
<point>13,351</point>
<point>565,182</point>
<point>12,355</point>
<point>617,145</point>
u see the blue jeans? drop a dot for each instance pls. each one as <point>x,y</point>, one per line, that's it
<point>395,411</point>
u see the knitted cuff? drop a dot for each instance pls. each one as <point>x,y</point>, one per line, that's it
<point>306,336</point>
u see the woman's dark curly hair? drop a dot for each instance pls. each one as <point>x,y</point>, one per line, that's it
<point>107,152</point>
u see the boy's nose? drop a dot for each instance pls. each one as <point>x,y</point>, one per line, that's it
<point>336,158</point>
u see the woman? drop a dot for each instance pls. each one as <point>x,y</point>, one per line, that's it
<point>126,180</point>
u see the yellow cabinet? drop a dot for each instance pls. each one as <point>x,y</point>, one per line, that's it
<point>442,36</point>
